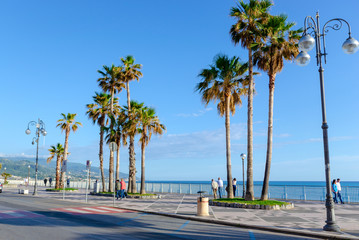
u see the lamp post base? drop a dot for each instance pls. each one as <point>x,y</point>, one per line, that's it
<point>331,226</point>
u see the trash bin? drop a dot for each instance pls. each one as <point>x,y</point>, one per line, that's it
<point>202,205</point>
<point>96,187</point>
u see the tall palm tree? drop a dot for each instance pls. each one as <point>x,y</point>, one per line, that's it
<point>130,72</point>
<point>150,124</point>
<point>57,151</point>
<point>115,134</point>
<point>97,112</point>
<point>281,44</point>
<point>67,123</point>
<point>130,129</point>
<point>222,82</point>
<point>246,32</point>
<point>111,81</point>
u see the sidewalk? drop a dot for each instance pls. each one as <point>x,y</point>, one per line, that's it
<point>306,219</point>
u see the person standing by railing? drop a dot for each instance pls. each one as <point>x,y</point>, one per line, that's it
<point>335,190</point>
<point>220,187</point>
<point>234,183</point>
<point>339,187</point>
<point>214,188</point>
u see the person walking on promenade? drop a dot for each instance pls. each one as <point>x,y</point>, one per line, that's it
<point>118,188</point>
<point>214,188</point>
<point>50,181</point>
<point>123,188</point>
<point>68,182</point>
<point>234,183</point>
<point>335,190</point>
<point>339,187</point>
<point>45,181</point>
<point>220,187</point>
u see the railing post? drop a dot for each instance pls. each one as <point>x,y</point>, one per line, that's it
<point>180,188</point>
<point>161,187</point>
<point>285,192</point>
<point>170,187</point>
<point>190,192</point>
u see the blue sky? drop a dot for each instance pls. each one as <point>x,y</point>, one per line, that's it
<point>51,51</point>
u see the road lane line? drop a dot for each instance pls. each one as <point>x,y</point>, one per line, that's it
<point>251,235</point>
<point>183,225</point>
<point>74,210</point>
<point>95,210</point>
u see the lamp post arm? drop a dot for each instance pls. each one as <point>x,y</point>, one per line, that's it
<point>337,25</point>
<point>31,123</point>
<point>311,24</point>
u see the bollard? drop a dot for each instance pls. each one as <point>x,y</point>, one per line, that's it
<point>202,205</point>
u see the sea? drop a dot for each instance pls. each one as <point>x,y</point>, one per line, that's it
<point>271,183</point>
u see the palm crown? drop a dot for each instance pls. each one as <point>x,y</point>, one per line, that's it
<point>68,122</point>
<point>221,81</point>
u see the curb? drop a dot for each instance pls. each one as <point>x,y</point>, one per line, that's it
<point>341,236</point>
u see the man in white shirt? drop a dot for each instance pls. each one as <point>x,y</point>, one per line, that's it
<point>220,187</point>
<point>339,187</point>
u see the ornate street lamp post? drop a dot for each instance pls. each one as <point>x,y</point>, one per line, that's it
<point>40,129</point>
<point>243,156</point>
<point>306,43</point>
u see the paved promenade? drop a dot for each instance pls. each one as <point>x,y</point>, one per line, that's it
<point>306,219</point>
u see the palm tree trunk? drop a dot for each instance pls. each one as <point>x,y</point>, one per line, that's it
<point>118,160</point>
<point>110,172</point>
<point>58,161</point>
<point>249,191</point>
<point>66,146</point>
<point>112,97</point>
<point>132,167</point>
<point>228,151</point>
<point>265,187</point>
<point>128,96</point>
<point>143,164</point>
<point>101,154</point>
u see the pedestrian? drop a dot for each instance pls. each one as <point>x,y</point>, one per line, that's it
<point>220,187</point>
<point>123,188</point>
<point>214,188</point>
<point>68,182</point>
<point>234,183</point>
<point>339,188</point>
<point>45,181</point>
<point>50,181</point>
<point>335,190</point>
<point>118,188</point>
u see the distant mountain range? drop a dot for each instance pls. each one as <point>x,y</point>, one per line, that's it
<point>18,166</point>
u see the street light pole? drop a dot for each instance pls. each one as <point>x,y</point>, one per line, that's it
<point>306,43</point>
<point>243,156</point>
<point>40,128</point>
<point>28,175</point>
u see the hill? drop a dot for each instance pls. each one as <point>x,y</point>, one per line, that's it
<point>18,166</point>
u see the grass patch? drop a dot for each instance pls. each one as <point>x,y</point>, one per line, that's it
<point>60,189</point>
<point>254,202</point>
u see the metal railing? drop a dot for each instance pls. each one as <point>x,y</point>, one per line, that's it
<point>284,192</point>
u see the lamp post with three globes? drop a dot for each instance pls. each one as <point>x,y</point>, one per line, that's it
<point>40,129</point>
<point>306,43</point>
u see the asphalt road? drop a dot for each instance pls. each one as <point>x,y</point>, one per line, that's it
<point>24,217</point>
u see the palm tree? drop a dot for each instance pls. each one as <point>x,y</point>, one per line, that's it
<point>114,134</point>
<point>130,72</point>
<point>281,45</point>
<point>97,112</point>
<point>150,124</point>
<point>57,151</point>
<point>67,123</point>
<point>111,81</point>
<point>246,31</point>
<point>130,129</point>
<point>222,82</point>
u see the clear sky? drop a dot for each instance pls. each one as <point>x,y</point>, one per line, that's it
<point>51,51</point>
